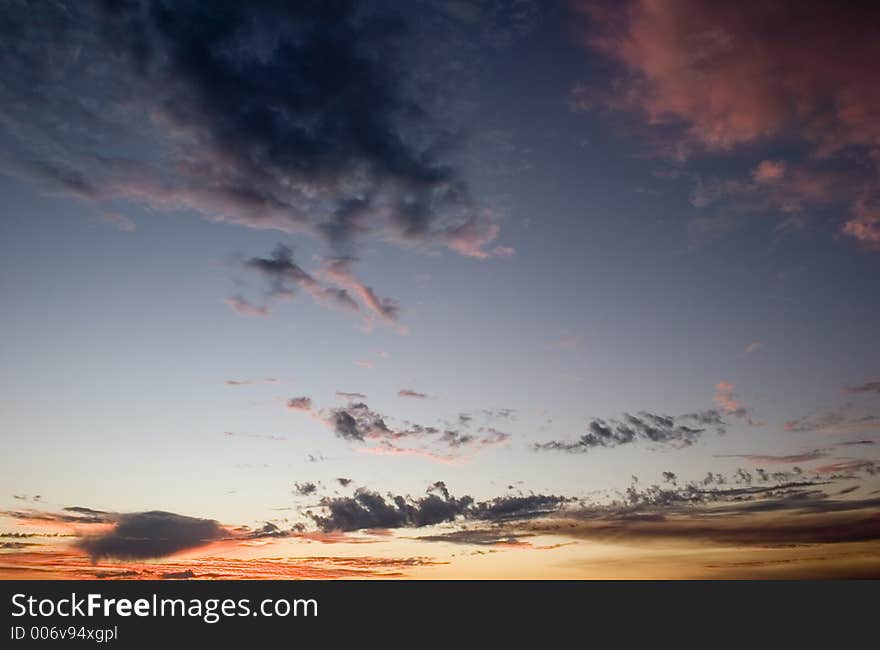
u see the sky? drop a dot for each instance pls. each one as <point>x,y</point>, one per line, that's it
<point>504,289</point>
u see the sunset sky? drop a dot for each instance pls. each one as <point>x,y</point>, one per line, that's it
<point>463,289</point>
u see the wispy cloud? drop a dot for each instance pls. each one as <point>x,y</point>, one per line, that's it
<point>408,392</point>
<point>647,427</point>
<point>867,387</point>
<point>704,76</point>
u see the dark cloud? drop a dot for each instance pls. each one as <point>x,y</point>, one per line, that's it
<point>344,482</point>
<point>661,429</point>
<point>737,526</point>
<point>516,507</point>
<point>867,387</point>
<point>299,117</point>
<point>368,509</point>
<point>154,534</point>
<point>477,537</point>
<point>839,421</point>
<point>708,418</point>
<point>305,489</point>
<point>299,404</point>
<point>73,514</point>
<point>357,422</point>
<point>334,283</point>
<point>178,575</point>
<point>802,457</point>
<point>408,392</point>
<point>350,396</point>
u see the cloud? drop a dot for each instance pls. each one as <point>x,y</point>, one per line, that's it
<point>770,459</point>
<point>477,537</point>
<point>251,114</point>
<point>263,436</point>
<point>366,509</point>
<point>66,565</point>
<point>246,308</point>
<point>356,422</point>
<point>338,271</point>
<point>725,399</point>
<point>866,387</point>
<point>864,224</point>
<point>754,346</point>
<point>118,221</point>
<point>300,404</point>
<point>847,466</point>
<point>713,77</point>
<point>408,392</point>
<point>795,521</point>
<point>732,75</point>
<point>566,342</point>
<point>795,189</point>
<point>72,515</point>
<point>656,428</point>
<point>334,284</point>
<point>305,489</point>
<point>838,421</point>
<point>351,396</point>
<point>154,534</point>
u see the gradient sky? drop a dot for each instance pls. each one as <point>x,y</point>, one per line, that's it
<point>496,227</point>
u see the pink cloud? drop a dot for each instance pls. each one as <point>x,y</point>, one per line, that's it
<point>245,308</point>
<point>471,237</point>
<point>566,342</point>
<point>338,272</point>
<point>789,188</point>
<point>733,73</point>
<point>726,400</point>
<point>119,221</point>
<point>716,76</point>
<point>769,171</point>
<point>385,448</point>
<point>864,224</point>
<point>851,465</point>
<point>724,397</point>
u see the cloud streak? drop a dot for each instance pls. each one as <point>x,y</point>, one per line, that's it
<point>644,426</point>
